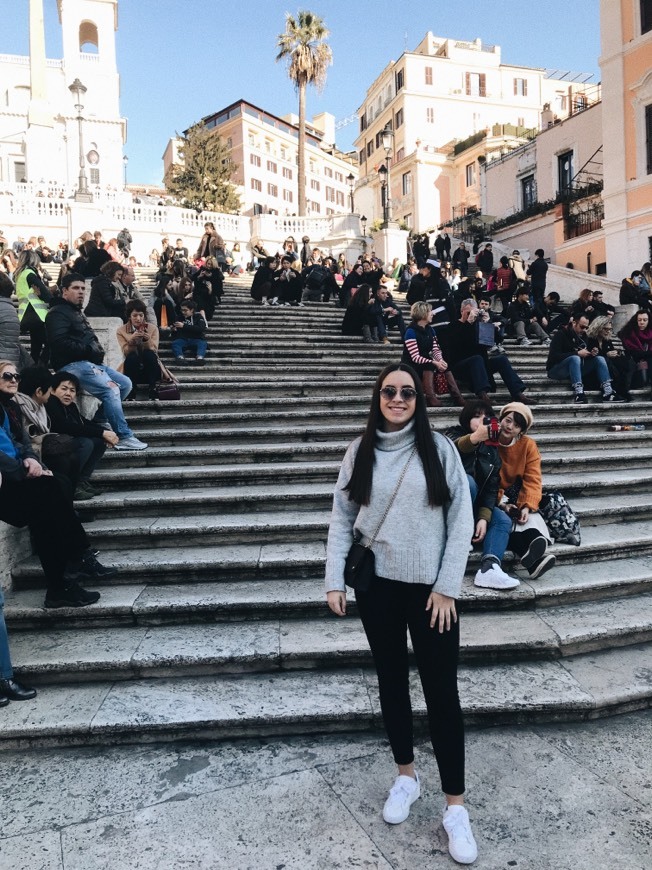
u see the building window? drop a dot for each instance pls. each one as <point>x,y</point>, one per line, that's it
<point>330,211</point>
<point>272,189</point>
<point>370,148</point>
<point>520,87</point>
<point>564,170</point>
<point>521,122</point>
<point>339,197</point>
<point>470,174</point>
<point>314,206</point>
<point>648,137</point>
<point>314,184</point>
<point>95,175</point>
<point>287,196</point>
<point>287,173</point>
<point>400,154</point>
<point>475,84</point>
<point>254,159</point>
<point>361,157</point>
<point>272,167</point>
<point>328,172</point>
<point>258,209</point>
<point>428,75</point>
<point>528,191</point>
<point>268,146</point>
<point>430,115</point>
<point>363,122</point>
<point>399,119</point>
<point>407,183</point>
<point>646,16</point>
<point>339,177</point>
<point>284,152</point>
<point>256,185</point>
<point>399,79</point>
<point>251,140</point>
<point>330,194</point>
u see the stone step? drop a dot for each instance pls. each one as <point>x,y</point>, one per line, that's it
<point>231,706</point>
<point>250,599</point>
<point>302,559</point>
<point>141,652</point>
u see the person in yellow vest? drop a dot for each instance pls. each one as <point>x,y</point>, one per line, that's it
<point>33,303</point>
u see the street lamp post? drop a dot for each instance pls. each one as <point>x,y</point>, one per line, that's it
<point>83,194</point>
<point>387,138</point>
<point>363,221</point>
<point>125,161</point>
<point>384,198</point>
<point>351,181</point>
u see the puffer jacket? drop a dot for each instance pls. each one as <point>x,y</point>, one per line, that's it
<point>70,336</point>
<point>9,331</point>
<point>482,462</point>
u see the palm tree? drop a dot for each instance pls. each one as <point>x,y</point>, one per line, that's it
<point>302,45</point>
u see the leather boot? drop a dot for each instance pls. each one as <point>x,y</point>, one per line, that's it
<point>484,397</point>
<point>366,334</point>
<point>374,335</point>
<point>454,390</point>
<point>428,380</point>
<point>526,400</point>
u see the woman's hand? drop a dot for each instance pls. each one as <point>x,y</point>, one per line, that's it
<point>480,532</point>
<point>337,602</point>
<point>34,469</point>
<point>443,609</point>
<point>523,516</point>
<point>441,365</point>
<point>481,434</point>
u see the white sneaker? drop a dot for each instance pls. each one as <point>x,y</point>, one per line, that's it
<point>264,302</point>
<point>402,795</point>
<point>495,578</point>
<point>524,342</point>
<point>131,443</point>
<point>461,843</point>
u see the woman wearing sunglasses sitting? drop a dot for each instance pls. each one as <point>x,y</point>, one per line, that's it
<point>402,489</point>
<point>423,354</point>
<point>30,496</point>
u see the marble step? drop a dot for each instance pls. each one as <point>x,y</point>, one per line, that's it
<point>292,558</point>
<point>253,599</point>
<point>141,652</point>
<point>587,685</point>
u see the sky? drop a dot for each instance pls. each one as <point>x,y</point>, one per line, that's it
<point>181,61</point>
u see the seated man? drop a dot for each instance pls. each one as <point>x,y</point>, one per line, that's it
<point>391,315</point>
<point>570,359</point>
<point>469,360</point>
<point>499,322</point>
<point>602,309</point>
<point>90,439</point>
<point>75,348</point>
<point>189,334</point>
<point>523,318</point>
<point>552,315</point>
<point>262,285</point>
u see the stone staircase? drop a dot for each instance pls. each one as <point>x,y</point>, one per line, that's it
<point>216,625</point>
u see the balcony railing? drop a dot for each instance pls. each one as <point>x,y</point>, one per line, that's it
<point>580,221</point>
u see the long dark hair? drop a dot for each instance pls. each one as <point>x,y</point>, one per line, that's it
<point>359,486</point>
<point>361,297</point>
<point>632,324</point>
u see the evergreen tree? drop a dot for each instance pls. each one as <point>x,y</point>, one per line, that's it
<point>202,180</point>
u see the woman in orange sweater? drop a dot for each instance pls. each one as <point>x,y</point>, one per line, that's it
<point>520,489</point>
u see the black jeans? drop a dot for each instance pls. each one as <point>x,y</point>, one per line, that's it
<point>142,367</point>
<point>32,324</point>
<point>387,610</point>
<point>58,536</point>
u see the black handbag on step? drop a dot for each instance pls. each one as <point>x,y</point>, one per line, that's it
<point>360,564</point>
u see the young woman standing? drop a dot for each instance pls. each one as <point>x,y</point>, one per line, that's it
<point>421,547</point>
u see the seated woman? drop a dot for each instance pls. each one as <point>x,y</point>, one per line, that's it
<point>636,336</point>
<point>621,367</point>
<point>287,283</point>
<point>30,496</point>
<point>482,465</point>
<point>209,287</point>
<point>106,299</point>
<point>422,352</point>
<point>90,439</point>
<point>139,343</point>
<point>10,689</point>
<point>520,490</point>
<point>583,305</point>
<point>360,317</point>
<point>165,301</point>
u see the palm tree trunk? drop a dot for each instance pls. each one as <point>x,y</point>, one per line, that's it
<point>301,168</point>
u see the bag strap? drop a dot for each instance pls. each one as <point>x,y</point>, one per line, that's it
<point>391,500</point>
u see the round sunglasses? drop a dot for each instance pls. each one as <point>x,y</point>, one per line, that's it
<point>408,394</point>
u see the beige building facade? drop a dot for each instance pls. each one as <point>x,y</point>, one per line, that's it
<point>264,149</point>
<point>445,92</point>
<point>626,63</point>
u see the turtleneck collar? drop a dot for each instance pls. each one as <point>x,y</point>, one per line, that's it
<point>395,440</point>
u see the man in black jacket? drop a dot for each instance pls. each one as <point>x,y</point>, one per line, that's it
<point>570,359</point>
<point>75,348</point>
<point>523,318</point>
<point>537,272</point>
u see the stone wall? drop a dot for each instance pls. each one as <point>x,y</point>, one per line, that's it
<point>15,545</point>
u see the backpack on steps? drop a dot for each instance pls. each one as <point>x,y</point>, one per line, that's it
<point>563,525</point>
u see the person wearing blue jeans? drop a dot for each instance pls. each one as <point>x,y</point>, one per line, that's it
<point>189,333</point>
<point>10,689</point>
<point>482,464</point>
<point>570,359</point>
<point>74,348</point>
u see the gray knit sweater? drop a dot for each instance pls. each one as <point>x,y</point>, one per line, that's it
<point>416,543</point>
